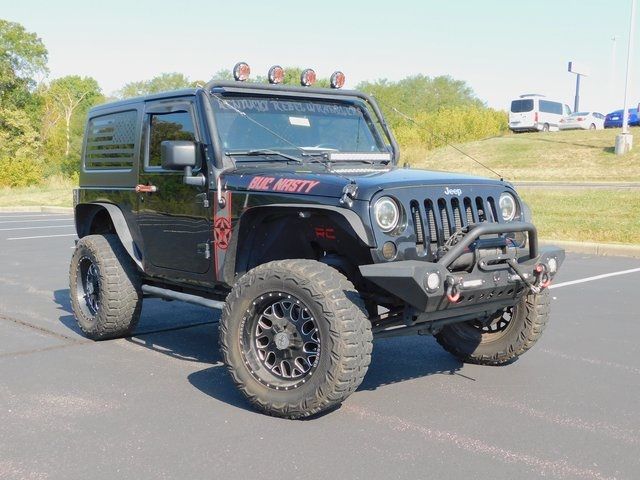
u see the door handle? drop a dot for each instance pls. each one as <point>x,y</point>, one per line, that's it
<point>146,189</point>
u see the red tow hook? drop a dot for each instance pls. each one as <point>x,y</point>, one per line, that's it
<point>453,298</point>
<point>543,277</point>
<point>453,294</point>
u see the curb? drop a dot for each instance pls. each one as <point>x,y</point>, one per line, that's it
<point>37,209</point>
<point>593,248</point>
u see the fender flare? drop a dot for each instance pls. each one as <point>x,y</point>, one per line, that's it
<point>351,217</point>
<point>121,226</point>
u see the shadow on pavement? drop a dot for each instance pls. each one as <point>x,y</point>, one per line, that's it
<point>190,334</point>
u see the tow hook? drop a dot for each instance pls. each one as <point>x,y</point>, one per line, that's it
<point>544,279</point>
<point>452,290</point>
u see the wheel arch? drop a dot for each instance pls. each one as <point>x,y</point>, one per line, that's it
<point>102,217</point>
<point>257,224</point>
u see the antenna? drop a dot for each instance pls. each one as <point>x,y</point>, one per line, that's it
<point>432,133</point>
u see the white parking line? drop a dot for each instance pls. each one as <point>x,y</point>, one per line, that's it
<point>43,236</point>
<point>37,220</point>
<point>31,228</point>
<point>596,277</point>
<point>39,215</point>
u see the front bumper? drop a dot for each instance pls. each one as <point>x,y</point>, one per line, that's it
<point>492,279</point>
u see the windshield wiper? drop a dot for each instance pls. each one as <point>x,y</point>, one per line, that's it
<point>264,151</point>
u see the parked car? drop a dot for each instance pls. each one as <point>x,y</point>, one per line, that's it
<point>614,119</point>
<point>533,112</point>
<point>583,120</point>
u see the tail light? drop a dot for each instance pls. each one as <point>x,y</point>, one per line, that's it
<point>580,119</point>
<point>535,117</point>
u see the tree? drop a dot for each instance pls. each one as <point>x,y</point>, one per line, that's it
<point>420,93</point>
<point>66,95</point>
<point>160,83</point>
<point>22,57</point>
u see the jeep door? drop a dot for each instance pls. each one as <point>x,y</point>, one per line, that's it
<point>174,220</point>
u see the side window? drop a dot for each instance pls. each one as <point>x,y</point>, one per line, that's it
<point>544,106</point>
<point>168,126</point>
<point>111,141</point>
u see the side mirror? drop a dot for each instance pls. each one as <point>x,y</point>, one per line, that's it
<point>181,155</point>
<point>177,154</point>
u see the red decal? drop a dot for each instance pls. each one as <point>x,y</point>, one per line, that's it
<point>222,232</point>
<point>282,185</point>
<point>327,233</point>
<point>260,183</point>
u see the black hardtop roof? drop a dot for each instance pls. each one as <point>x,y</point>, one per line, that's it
<point>230,86</point>
<point>144,98</point>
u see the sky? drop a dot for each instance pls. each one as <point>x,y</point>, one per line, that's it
<point>501,48</point>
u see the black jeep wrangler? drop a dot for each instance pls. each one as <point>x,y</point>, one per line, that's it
<point>285,208</point>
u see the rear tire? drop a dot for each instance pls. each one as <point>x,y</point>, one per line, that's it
<point>511,334</point>
<point>104,286</point>
<point>545,127</point>
<point>592,126</point>
<point>295,337</point>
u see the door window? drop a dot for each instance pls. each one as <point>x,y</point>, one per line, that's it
<point>168,126</point>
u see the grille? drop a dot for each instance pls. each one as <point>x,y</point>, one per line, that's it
<point>436,220</point>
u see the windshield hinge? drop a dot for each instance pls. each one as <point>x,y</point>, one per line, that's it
<point>220,196</point>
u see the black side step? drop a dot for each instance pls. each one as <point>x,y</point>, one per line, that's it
<point>183,297</point>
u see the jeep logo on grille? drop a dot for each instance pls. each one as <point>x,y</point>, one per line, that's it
<point>453,191</point>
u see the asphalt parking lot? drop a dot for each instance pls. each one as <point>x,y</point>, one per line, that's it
<point>161,405</point>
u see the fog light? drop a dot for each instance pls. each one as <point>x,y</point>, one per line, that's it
<point>389,250</point>
<point>553,265</point>
<point>432,282</point>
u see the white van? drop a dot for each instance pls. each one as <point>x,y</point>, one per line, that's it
<point>534,112</point>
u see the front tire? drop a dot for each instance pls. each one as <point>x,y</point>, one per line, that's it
<point>295,337</point>
<point>104,287</point>
<point>510,334</point>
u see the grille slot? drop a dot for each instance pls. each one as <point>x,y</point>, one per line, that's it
<point>418,227</point>
<point>431,222</point>
<point>444,218</point>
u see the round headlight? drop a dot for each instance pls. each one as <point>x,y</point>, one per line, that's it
<point>508,207</point>
<point>386,213</point>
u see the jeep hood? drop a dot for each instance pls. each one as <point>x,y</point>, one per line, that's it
<point>316,180</point>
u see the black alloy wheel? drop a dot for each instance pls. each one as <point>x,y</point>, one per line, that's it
<point>281,335</point>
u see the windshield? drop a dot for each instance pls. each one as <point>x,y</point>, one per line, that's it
<point>247,123</point>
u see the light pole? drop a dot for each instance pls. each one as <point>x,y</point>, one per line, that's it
<point>624,141</point>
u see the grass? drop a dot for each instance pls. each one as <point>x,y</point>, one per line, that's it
<point>585,215</point>
<point>611,216</point>
<point>55,191</point>
<point>570,156</point>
